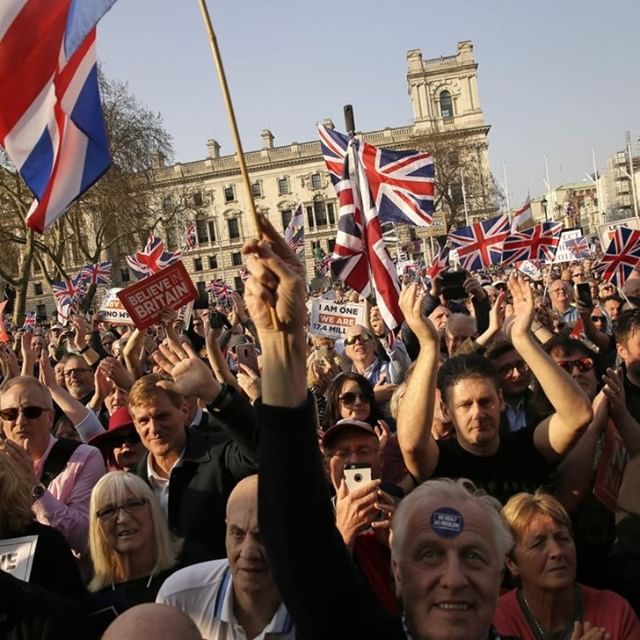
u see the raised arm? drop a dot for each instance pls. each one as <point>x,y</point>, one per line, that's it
<point>415,412</point>
<point>554,435</point>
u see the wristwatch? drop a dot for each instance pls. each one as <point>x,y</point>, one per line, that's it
<point>85,348</point>
<point>38,491</point>
<point>222,400</point>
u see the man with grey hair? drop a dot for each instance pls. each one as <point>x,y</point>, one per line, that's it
<point>460,328</point>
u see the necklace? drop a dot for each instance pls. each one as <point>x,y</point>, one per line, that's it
<point>536,627</point>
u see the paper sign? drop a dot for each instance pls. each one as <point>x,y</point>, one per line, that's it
<point>112,310</point>
<point>172,287</point>
<point>606,231</point>
<point>563,253</point>
<point>16,556</point>
<point>332,319</point>
<point>185,313</point>
<point>529,269</point>
<point>610,468</point>
<point>4,336</point>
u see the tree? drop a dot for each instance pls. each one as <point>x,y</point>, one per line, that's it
<point>115,215</point>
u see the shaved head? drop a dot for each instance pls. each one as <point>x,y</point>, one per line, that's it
<point>159,621</point>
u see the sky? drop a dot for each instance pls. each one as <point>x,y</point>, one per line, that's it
<point>555,78</point>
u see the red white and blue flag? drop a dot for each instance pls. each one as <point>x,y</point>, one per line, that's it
<point>98,273</point>
<point>29,323</point>
<point>221,292</point>
<point>439,264</point>
<point>521,215</point>
<point>68,292</point>
<point>621,256</point>
<point>191,238</point>
<point>539,243</point>
<point>360,257</point>
<point>151,259</point>
<point>334,149</point>
<point>579,247</point>
<point>294,233</point>
<point>51,122</point>
<point>322,265</point>
<point>480,245</point>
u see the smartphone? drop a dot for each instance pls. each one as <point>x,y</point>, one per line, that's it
<point>357,474</point>
<point>322,353</point>
<point>584,294</point>
<point>452,282</point>
<point>247,356</point>
<point>218,320</point>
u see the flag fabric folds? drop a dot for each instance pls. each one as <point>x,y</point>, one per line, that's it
<point>480,245</point>
<point>294,233</point>
<point>151,259</point>
<point>334,150</point>
<point>29,323</point>
<point>521,215</point>
<point>51,122</point>
<point>439,264</point>
<point>191,238</point>
<point>98,273</point>
<point>360,257</point>
<point>621,256</point>
<point>221,292</point>
<point>70,291</point>
<point>538,243</point>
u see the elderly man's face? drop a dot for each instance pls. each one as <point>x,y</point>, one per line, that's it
<point>612,307</point>
<point>359,344</point>
<point>448,578</point>
<point>457,331</point>
<point>353,447</point>
<point>78,377</point>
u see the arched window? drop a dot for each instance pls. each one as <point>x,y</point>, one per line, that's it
<point>446,105</point>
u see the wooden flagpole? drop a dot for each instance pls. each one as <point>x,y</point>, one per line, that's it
<point>232,118</point>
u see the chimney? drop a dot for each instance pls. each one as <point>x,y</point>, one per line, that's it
<point>267,139</point>
<point>158,159</point>
<point>213,149</point>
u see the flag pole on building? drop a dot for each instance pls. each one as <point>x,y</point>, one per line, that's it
<point>506,190</point>
<point>232,118</point>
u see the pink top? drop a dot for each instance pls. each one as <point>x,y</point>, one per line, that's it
<point>601,608</point>
<point>65,504</point>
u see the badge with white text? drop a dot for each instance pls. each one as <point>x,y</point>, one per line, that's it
<point>447,522</point>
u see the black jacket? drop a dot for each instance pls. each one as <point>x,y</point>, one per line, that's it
<point>211,466</point>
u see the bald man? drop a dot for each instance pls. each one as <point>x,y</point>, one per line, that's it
<point>236,597</point>
<point>159,622</point>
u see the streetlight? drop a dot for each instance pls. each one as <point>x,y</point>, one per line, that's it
<point>544,202</point>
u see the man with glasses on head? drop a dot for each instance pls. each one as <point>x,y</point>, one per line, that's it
<point>62,472</point>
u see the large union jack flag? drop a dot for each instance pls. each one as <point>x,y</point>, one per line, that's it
<point>151,259</point>
<point>439,264</point>
<point>401,184</point>
<point>98,273</point>
<point>221,292</point>
<point>334,149</point>
<point>51,122</point>
<point>480,245</point>
<point>621,256</point>
<point>68,292</point>
<point>360,256</point>
<point>538,243</point>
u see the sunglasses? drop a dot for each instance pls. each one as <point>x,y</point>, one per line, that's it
<point>583,364</point>
<point>30,413</point>
<point>130,506</point>
<point>77,372</point>
<point>362,337</point>
<point>597,318</point>
<point>130,438</point>
<point>351,397</point>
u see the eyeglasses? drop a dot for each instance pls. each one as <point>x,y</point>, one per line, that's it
<point>597,318</point>
<point>350,397</point>
<point>131,439</point>
<point>78,371</point>
<point>521,366</point>
<point>30,413</point>
<point>583,364</point>
<point>130,506</point>
<point>362,337</point>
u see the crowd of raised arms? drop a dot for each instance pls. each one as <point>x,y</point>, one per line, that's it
<point>474,474</point>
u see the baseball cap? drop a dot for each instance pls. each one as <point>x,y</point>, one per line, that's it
<point>345,425</point>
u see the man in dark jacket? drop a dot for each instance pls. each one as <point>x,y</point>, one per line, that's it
<point>192,473</point>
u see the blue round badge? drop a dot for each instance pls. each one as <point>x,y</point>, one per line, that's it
<point>447,522</point>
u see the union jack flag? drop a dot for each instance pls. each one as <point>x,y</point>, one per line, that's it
<point>221,292</point>
<point>621,256</point>
<point>480,244</point>
<point>401,184</point>
<point>334,149</point>
<point>68,292</point>
<point>322,265</point>
<point>521,215</point>
<point>579,247</point>
<point>537,243</point>
<point>29,323</point>
<point>439,264</point>
<point>51,122</point>
<point>294,233</point>
<point>191,237</point>
<point>151,259</point>
<point>244,273</point>
<point>360,257</point>
<point>98,273</point>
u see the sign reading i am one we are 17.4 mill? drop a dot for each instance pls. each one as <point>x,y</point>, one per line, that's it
<point>170,288</point>
<point>332,319</point>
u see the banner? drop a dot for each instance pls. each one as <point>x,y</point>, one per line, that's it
<point>145,300</point>
<point>112,310</point>
<point>16,556</point>
<point>610,468</point>
<point>606,231</point>
<point>563,253</point>
<point>332,319</point>
<point>529,269</point>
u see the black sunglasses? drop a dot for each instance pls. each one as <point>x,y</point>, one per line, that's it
<point>350,397</point>
<point>597,318</point>
<point>31,413</point>
<point>131,439</point>
<point>362,337</point>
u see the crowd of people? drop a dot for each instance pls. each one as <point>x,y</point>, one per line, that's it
<point>440,481</point>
